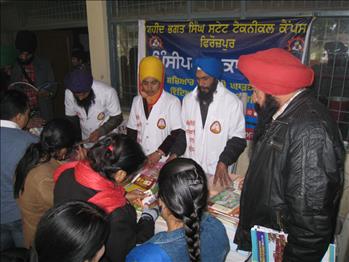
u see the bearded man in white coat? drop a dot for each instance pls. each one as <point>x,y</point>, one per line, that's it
<point>155,117</point>
<point>213,121</point>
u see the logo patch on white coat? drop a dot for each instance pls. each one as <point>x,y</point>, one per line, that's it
<point>101,116</point>
<point>161,123</point>
<point>216,127</point>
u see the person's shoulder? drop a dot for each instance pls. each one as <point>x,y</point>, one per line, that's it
<point>211,223</point>
<point>148,252</point>
<point>189,96</point>
<point>228,95</point>
<point>170,97</point>
<point>137,99</point>
<point>101,86</point>
<point>28,136</point>
<point>24,136</point>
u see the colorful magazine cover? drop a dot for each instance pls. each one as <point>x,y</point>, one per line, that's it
<point>226,202</point>
<point>268,245</point>
<point>146,181</point>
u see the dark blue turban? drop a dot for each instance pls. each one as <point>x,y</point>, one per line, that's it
<point>211,66</point>
<point>78,81</point>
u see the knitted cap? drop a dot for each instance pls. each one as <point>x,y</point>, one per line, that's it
<point>275,71</point>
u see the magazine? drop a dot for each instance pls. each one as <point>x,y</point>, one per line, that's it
<point>268,245</point>
<point>226,204</point>
<point>146,181</point>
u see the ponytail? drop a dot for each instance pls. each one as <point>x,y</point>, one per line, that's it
<point>57,134</point>
<point>33,155</point>
<point>116,152</point>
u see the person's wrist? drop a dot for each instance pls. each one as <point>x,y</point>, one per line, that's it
<point>160,153</point>
<point>151,213</point>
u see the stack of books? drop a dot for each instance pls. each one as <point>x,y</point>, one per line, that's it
<point>268,245</point>
<point>226,204</point>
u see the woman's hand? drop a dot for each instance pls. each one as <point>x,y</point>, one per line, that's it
<point>135,197</point>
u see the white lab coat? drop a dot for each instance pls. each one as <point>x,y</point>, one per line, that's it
<point>106,104</point>
<point>225,119</point>
<point>164,117</point>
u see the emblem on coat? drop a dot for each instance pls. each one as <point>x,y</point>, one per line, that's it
<point>216,127</point>
<point>161,123</point>
<point>101,116</point>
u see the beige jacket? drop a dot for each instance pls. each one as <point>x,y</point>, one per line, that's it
<point>37,197</point>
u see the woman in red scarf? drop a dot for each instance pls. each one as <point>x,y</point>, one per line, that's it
<point>97,180</point>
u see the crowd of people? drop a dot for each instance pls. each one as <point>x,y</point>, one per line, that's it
<point>62,194</point>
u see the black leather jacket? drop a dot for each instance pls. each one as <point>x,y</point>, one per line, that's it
<point>295,180</point>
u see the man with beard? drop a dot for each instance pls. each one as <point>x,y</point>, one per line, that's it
<point>155,120</point>
<point>214,122</point>
<point>36,71</point>
<point>95,104</point>
<point>295,177</point>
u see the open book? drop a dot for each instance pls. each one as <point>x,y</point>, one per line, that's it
<point>268,245</point>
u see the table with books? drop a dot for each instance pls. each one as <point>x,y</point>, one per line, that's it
<point>223,204</point>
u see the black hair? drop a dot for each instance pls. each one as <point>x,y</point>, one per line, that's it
<point>26,41</point>
<point>183,189</point>
<point>79,54</point>
<point>71,232</point>
<point>116,152</point>
<point>12,103</point>
<point>56,134</point>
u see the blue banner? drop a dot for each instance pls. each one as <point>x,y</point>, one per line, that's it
<point>179,43</point>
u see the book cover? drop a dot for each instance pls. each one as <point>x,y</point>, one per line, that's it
<point>226,203</point>
<point>268,245</point>
<point>146,181</point>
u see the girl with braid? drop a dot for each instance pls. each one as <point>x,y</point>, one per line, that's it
<point>98,180</point>
<point>193,234</point>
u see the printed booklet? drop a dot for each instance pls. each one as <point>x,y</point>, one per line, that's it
<point>268,245</point>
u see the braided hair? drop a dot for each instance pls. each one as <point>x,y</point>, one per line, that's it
<point>116,152</point>
<point>183,189</point>
<point>57,134</point>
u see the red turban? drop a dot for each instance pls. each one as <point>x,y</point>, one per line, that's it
<point>275,71</point>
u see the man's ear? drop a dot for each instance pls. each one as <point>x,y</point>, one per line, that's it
<point>120,176</point>
<point>18,118</point>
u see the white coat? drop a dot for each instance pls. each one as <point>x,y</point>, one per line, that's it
<point>225,119</point>
<point>164,117</point>
<point>106,104</point>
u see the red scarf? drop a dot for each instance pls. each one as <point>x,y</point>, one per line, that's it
<point>109,196</point>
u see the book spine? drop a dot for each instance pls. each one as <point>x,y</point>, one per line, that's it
<point>254,245</point>
<point>261,246</point>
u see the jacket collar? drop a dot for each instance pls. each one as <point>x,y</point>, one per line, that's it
<point>296,102</point>
<point>9,124</point>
